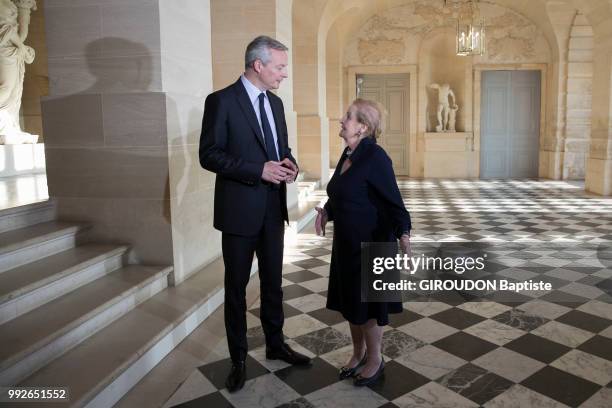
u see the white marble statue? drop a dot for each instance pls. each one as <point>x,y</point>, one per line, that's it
<point>14,54</point>
<point>452,118</point>
<point>446,111</point>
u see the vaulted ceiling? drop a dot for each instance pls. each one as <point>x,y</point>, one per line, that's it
<point>317,17</point>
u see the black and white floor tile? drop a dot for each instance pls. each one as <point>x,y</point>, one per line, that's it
<point>538,349</point>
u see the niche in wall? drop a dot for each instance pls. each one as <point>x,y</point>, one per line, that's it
<point>439,64</point>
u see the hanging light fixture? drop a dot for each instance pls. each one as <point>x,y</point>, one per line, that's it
<point>470,32</point>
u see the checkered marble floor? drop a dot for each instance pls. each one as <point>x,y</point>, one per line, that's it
<point>535,349</point>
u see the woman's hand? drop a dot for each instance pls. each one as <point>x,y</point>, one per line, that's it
<point>320,221</point>
<point>405,244</point>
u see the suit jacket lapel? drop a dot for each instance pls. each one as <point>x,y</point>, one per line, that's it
<point>247,109</point>
<point>277,112</point>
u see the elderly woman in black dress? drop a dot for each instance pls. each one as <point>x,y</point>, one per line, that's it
<point>366,206</point>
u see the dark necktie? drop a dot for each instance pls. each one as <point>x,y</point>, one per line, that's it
<point>267,131</point>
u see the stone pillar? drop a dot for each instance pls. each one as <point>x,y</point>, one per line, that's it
<point>234,24</point>
<point>579,90</point>
<point>599,163</point>
<point>333,86</point>
<point>552,147</point>
<point>309,70</point>
<point>186,74</point>
<point>122,123</point>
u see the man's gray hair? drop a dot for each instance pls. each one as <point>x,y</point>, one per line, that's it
<point>259,49</point>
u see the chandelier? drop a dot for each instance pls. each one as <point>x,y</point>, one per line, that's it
<point>470,31</point>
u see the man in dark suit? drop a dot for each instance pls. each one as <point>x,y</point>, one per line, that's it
<point>244,141</point>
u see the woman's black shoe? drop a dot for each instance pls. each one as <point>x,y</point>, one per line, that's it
<point>362,381</point>
<point>346,372</point>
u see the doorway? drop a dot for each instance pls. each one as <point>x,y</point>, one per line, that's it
<point>393,92</point>
<point>510,124</point>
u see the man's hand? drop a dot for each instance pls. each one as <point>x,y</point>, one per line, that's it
<point>320,221</point>
<point>291,165</point>
<point>275,172</point>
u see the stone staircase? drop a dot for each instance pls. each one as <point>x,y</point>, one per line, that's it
<point>59,296</point>
<point>74,314</point>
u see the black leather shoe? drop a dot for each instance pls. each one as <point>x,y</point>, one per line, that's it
<point>236,377</point>
<point>346,372</point>
<point>363,381</point>
<point>288,355</point>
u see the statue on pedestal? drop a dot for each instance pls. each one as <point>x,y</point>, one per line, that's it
<point>14,54</point>
<point>446,111</point>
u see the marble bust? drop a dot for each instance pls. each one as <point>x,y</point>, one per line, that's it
<point>14,54</point>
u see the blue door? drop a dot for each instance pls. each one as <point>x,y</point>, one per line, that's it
<point>510,124</point>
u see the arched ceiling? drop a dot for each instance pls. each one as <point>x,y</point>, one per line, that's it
<point>348,15</point>
<point>362,10</point>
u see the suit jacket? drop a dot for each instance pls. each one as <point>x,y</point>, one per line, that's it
<point>232,146</point>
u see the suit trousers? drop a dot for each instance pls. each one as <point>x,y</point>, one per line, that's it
<point>238,252</point>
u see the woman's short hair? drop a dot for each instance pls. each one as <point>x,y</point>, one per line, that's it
<point>259,49</point>
<point>371,114</point>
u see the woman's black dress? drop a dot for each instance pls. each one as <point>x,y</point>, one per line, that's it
<point>366,206</point>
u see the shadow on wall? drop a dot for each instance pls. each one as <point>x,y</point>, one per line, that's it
<point>107,155</point>
<point>126,65</point>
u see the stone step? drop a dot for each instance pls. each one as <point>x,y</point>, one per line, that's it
<point>35,339</point>
<point>116,358</point>
<point>113,360</point>
<point>310,196</point>
<point>26,215</point>
<point>306,186</point>
<point>29,286</point>
<point>24,245</point>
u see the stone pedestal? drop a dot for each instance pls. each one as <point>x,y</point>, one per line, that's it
<point>16,160</point>
<point>450,155</point>
<point>599,176</point>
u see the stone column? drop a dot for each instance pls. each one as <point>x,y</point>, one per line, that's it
<point>552,147</point>
<point>234,24</point>
<point>122,122</point>
<point>335,108</point>
<point>579,89</point>
<point>186,74</point>
<point>309,70</point>
<point>599,162</point>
